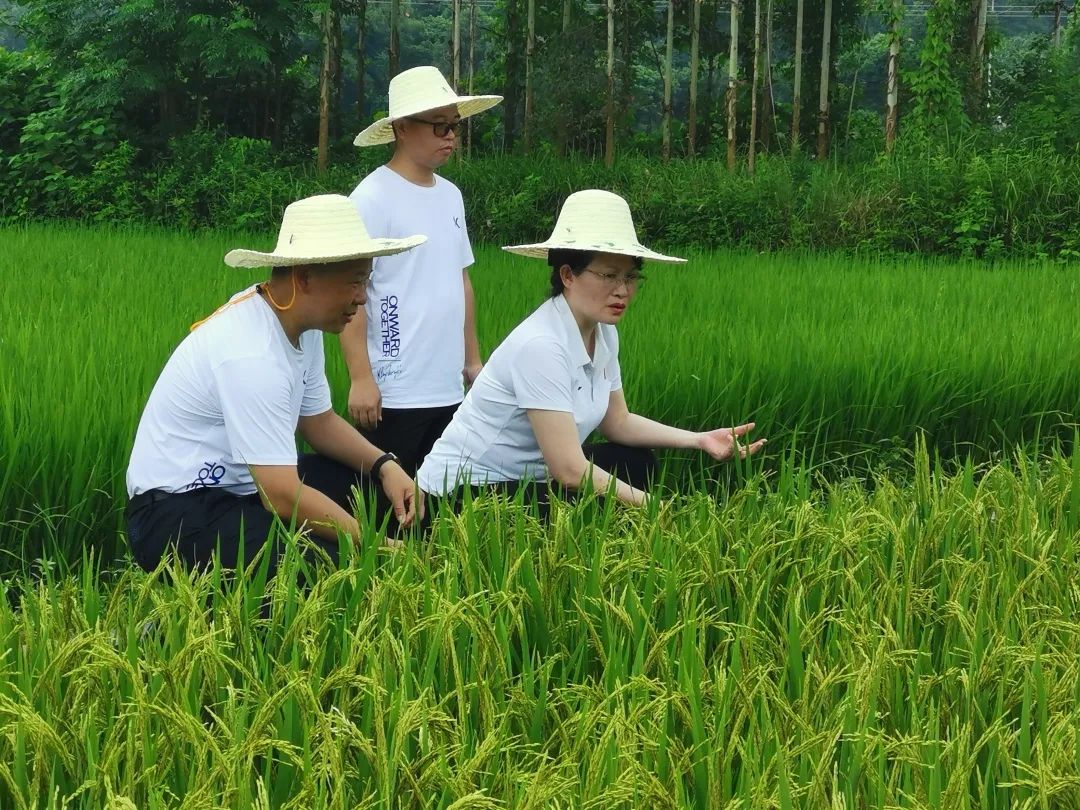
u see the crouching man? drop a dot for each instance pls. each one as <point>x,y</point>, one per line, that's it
<point>215,459</point>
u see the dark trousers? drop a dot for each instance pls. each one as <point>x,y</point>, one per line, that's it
<point>204,523</point>
<point>410,433</point>
<point>636,466</point>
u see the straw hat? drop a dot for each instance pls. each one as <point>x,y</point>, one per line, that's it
<point>321,230</point>
<point>597,221</point>
<point>415,91</point>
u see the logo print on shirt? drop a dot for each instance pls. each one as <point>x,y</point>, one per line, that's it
<point>457,222</point>
<point>389,326</point>
<point>209,475</point>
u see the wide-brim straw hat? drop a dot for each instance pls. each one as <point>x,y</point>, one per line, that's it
<point>596,221</point>
<point>323,229</point>
<point>416,91</point>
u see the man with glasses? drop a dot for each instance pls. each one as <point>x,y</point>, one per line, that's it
<point>413,348</point>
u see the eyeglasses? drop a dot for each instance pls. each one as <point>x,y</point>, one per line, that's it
<point>440,128</point>
<point>613,280</point>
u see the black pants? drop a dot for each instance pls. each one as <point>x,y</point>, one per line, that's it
<point>204,523</point>
<point>410,433</point>
<point>636,466</point>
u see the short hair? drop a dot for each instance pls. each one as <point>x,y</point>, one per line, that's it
<point>577,261</point>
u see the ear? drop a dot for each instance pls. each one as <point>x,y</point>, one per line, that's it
<point>302,277</point>
<point>567,275</point>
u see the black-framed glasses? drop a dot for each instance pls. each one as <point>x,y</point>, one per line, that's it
<point>440,128</point>
<point>613,280</point>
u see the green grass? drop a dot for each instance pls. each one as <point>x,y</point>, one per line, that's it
<point>862,618</point>
<point>847,359</point>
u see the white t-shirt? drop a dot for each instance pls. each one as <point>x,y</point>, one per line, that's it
<point>542,365</point>
<point>231,395</point>
<point>416,302</point>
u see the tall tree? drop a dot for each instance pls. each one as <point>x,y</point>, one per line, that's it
<point>512,76</point>
<point>455,44</point>
<point>823,87</point>
<point>395,38</point>
<point>695,64</point>
<point>732,87</point>
<point>472,73</point>
<point>892,95</point>
<point>668,54</point>
<point>609,114</point>
<point>530,50</point>
<point>330,40</point>
<point>977,85</point>
<point>796,102</point>
<point>755,83</point>
<point>361,62</point>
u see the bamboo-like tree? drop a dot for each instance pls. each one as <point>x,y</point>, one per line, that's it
<point>892,90</point>
<point>395,38</point>
<point>695,64</point>
<point>668,56</point>
<point>530,49</point>
<point>755,83</point>
<point>796,101</point>
<point>823,90</point>
<point>609,114</point>
<point>733,76</point>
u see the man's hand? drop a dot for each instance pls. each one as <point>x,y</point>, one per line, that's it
<point>471,372</point>
<point>724,443</point>
<point>365,403</point>
<point>401,490</point>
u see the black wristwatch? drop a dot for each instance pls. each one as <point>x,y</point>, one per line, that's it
<point>378,465</point>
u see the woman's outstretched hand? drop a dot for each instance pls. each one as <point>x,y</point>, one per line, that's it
<point>725,443</point>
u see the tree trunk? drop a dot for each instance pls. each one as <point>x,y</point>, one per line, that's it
<point>977,101</point>
<point>395,37</point>
<point>361,30</point>
<point>609,129</point>
<point>627,83</point>
<point>668,54</point>
<point>768,111</point>
<point>695,61</point>
<point>511,88</point>
<point>472,72</point>
<point>823,90</point>
<point>562,112</point>
<point>455,45</point>
<point>325,89</point>
<point>336,73</point>
<point>530,49</point>
<point>892,96</point>
<point>755,83</point>
<point>796,101</point>
<point>1055,33</point>
<point>733,77</point>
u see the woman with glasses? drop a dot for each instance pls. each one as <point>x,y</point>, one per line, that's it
<point>411,350</point>
<point>556,378</point>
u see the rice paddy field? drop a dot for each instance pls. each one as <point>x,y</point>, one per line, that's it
<point>882,611</point>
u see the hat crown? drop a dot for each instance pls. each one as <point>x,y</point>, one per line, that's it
<point>598,217</point>
<point>308,225</point>
<point>419,89</point>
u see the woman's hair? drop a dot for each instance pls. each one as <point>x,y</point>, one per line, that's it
<point>577,261</point>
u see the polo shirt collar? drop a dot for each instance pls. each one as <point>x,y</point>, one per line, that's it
<point>580,354</point>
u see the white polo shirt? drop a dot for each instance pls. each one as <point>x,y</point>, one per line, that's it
<point>543,365</point>
<point>416,303</point>
<point>231,395</point>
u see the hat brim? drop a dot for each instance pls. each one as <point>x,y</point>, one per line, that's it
<point>540,250</point>
<point>378,247</point>
<point>382,131</point>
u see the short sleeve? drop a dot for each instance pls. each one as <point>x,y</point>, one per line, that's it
<point>316,387</point>
<point>542,377</point>
<point>257,413</point>
<point>375,216</point>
